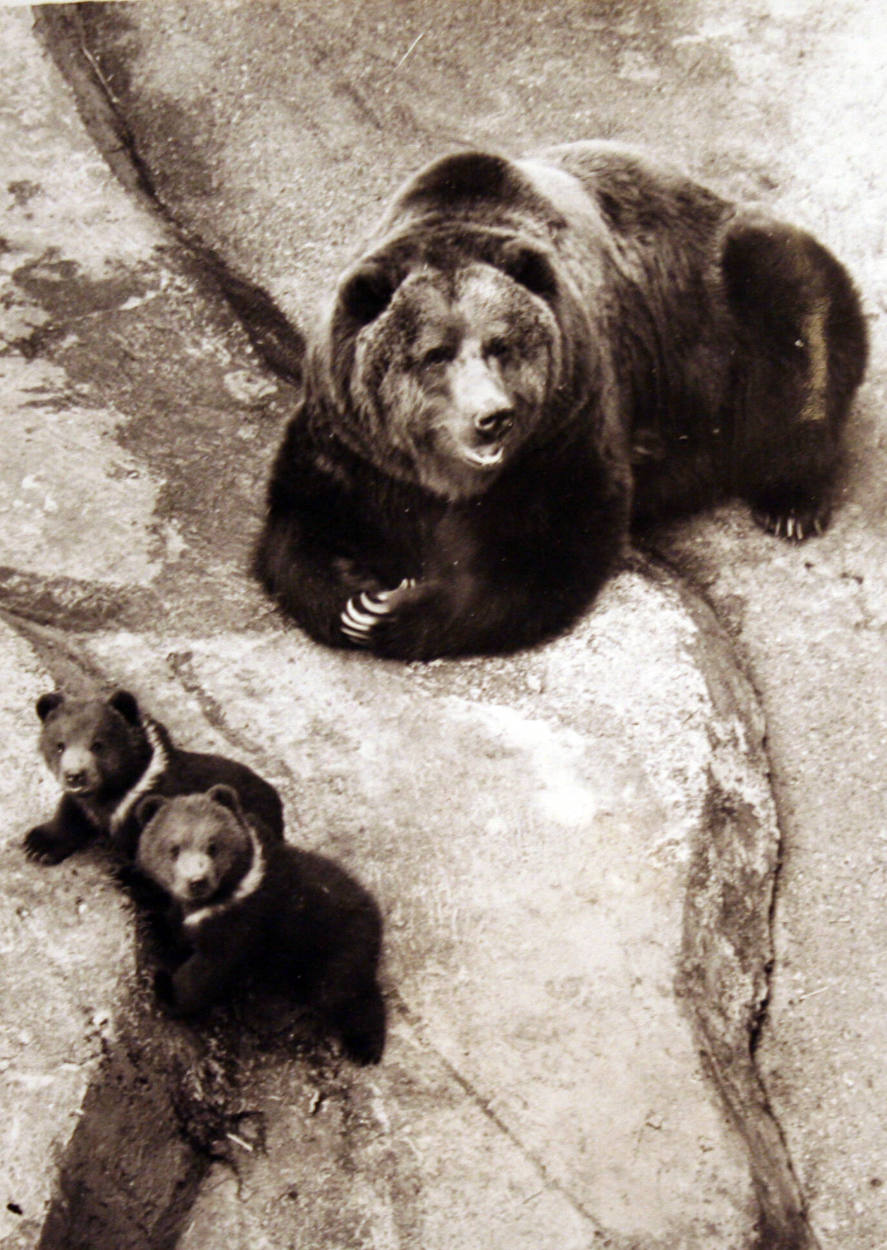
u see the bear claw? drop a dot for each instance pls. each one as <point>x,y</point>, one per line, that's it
<point>793,525</point>
<point>363,612</point>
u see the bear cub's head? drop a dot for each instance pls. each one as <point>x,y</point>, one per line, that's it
<point>447,373</point>
<point>196,847</point>
<point>95,748</point>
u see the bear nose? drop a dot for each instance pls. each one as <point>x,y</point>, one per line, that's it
<point>197,886</point>
<point>492,425</point>
<point>75,777</point>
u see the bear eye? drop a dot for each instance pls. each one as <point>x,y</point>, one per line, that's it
<point>174,850</point>
<point>211,848</point>
<point>497,348</point>
<point>97,747</point>
<point>441,355</point>
<point>59,748</point>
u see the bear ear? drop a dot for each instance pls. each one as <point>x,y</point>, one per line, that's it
<point>226,796</point>
<point>125,703</point>
<point>464,176</point>
<point>48,703</point>
<point>531,268</point>
<point>366,292</point>
<point>147,808</point>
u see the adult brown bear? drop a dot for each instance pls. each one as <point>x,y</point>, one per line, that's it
<point>527,355</point>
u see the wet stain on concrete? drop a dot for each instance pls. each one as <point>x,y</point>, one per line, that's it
<point>190,405</point>
<point>169,1102</point>
<point>68,604</point>
<point>60,286</point>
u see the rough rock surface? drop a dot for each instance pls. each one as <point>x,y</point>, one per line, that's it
<point>575,849</point>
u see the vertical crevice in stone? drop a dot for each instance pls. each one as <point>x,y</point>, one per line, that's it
<point>723,981</point>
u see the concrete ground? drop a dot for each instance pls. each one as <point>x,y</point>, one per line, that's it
<point>600,1033</point>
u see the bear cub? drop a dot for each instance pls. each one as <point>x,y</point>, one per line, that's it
<point>106,754</point>
<point>246,904</point>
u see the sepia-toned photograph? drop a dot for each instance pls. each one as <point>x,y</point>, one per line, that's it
<point>443,625</point>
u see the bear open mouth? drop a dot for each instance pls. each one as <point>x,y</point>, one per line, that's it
<point>195,895</point>
<point>484,457</point>
<point>85,788</point>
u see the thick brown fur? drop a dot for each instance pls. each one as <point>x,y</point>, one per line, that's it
<point>526,356</point>
<point>246,905</point>
<point>104,753</point>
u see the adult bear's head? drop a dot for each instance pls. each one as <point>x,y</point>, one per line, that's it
<point>451,344</point>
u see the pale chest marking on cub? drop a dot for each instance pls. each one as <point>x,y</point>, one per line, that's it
<point>152,774</point>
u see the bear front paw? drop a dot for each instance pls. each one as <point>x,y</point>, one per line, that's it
<point>42,846</point>
<point>364,613</point>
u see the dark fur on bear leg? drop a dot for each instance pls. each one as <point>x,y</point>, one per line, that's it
<point>355,1011</point>
<point>805,353</point>
<point>199,982</point>
<point>364,1042</point>
<point>163,987</point>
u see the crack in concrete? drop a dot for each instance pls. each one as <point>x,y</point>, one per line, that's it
<point>182,666</point>
<point>162,1094</point>
<point>551,1184</point>
<point>762,1016</point>
<point>785,1224</point>
<point>66,663</point>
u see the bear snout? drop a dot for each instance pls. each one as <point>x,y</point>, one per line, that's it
<point>77,771</point>
<point>493,425</point>
<point>195,878</point>
<point>483,414</point>
<point>197,889</point>
<point>484,440</point>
